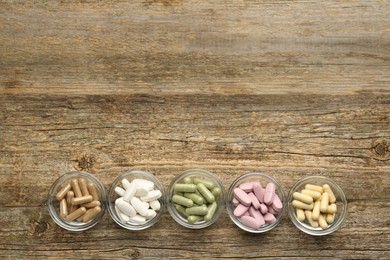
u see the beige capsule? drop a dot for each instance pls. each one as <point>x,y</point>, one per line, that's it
<point>332,208</point>
<point>300,214</point>
<point>61,194</point>
<point>82,200</point>
<point>69,197</point>
<point>330,217</point>
<point>314,188</point>
<point>332,197</point>
<point>75,214</point>
<point>324,202</point>
<point>322,222</point>
<point>92,204</point>
<point>83,187</point>
<point>314,194</point>
<point>301,205</point>
<point>93,191</point>
<point>303,198</point>
<point>63,208</point>
<point>312,222</point>
<point>316,210</point>
<point>76,188</point>
<point>91,213</point>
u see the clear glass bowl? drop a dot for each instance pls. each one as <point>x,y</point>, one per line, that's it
<point>341,202</point>
<point>180,179</point>
<point>112,196</point>
<point>264,179</point>
<point>54,205</point>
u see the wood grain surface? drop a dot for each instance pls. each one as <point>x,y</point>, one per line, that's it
<point>290,88</point>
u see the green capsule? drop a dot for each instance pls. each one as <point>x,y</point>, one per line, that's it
<point>209,185</point>
<point>205,193</point>
<point>211,211</point>
<point>216,191</point>
<point>195,198</point>
<point>182,201</point>
<point>194,219</point>
<point>181,209</point>
<point>182,187</point>
<point>179,193</point>
<point>187,180</point>
<point>197,210</point>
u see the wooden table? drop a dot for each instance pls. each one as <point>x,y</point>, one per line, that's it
<point>290,88</point>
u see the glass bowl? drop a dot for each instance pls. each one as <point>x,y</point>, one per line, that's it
<point>54,205</point>
<point>113,196</point>
<point>341,203</point>
<point>263,179</point>
<point>219,199</point>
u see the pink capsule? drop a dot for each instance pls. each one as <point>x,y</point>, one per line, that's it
<point>263,209</point>
<point>240,210</point>
<point>271,210</point>
<point>269,218</point>
<point>269,193</point>
<point>242,197</point>
<point>247,213</point>
<point>277,205</point>
<point>246,186</point>
<point>250,222</point>
<point>257,215</point>
<point>255,202</point>
<point>235,202</point>
<point>258,191</point>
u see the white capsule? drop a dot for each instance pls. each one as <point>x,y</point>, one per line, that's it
<point>130,191</point>
<point>124,218</point>
<point>148,185</point>
<point>125,207</point>
<point>137,219</point>
<point>152,195</point>
<point>151,214</point>
<point>125,183</point>
<point>139,206</point>
<point>141,191</point>
<point>120,191</point>
<point>155,204</point>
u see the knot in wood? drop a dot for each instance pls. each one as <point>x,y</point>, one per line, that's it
<point>381,148</point>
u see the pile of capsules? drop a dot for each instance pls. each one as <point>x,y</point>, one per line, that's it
<point>138,201</point>
<point>79,200</point>
<point>315,204</point>
<point>196,199</point>
<point>256,206</point>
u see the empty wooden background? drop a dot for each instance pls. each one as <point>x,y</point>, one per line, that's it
<point>290,88</point>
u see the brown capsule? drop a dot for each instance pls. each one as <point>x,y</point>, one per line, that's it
<point>92,190</point>
<point>73,208</point>
<point>82,200</point>
<point>69,197</point>
<point>76,188</point>
<point>91,213</point>
<point>77,213</point>
<point>83,187</point>
<point>63,208</point>
<point>91,204</point>
<point>80,219</point>
<point>61,194</point>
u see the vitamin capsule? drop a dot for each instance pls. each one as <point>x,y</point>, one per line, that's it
<point>69,197</point>
<point>216,192</point>
<point>92,190</point>
<point>255,202</point>
<point>314,188</point>
<point>83,187</point>
<point>137,219</point>
<point>92,204</point>
<point>269,193</point>
<point>82,200</point>
<point>271,210</point>
<point>250,222</point>
<point>152,195</point>
<point>258,191</point>
<point>210,211</point>
<point>195,198</point>
<point>63,208</point>
<point>76,188</point>
<point>300,214</point>
<point>330,217</point>
<point>277,204</point>
<point>263,209</point>
<point>181,209</point>
<point>123,217</point>
<point>332,208</point>
<point>182,187</point>
<point>301,205</point>
<point>235,202</point>
<point>327,189</point>
<point>322,222</point>
<point>61,194</point>
<point>312,222</point>
<point>141,192</point>
<point>197,210</point>
<point>139,206</point>
<point>246,186</point>
<point>240,210</point>
<point>179,193</point>
<point>194,219</point>
<point>247,214</point>
<point>205,192</point>
<point>148,185</point>
<point>316,210</point>
<point>155,205</point>
<point>324,202</point>
<point>303,197</point>
<point>209,185</point>
<point>75,214</point>
<point>314,194</point>
<point>125,183</point>
<point>130,191</point>
<point>119,191</point>
<point>269,218</point>
<point>187,180</point>
<point>91,213</point>
<point>182,201</point>
<point>242,197</point>
<point>257,215</point>
<point>125,207</point>
<point>151,214</point>
<point>72,208</point>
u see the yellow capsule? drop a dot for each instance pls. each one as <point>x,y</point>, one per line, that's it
<point>314,194</point>
<point>332,208</point>
<point>302,197</point>
<point>312,222</point>
<point>330,217</point>
<point>300,214</point>
<point>332,197</point>
<point>316,210</point>
<point>300,205</point>
<point>322,222</point>
<point>324,202</point>
<point>314,188</point>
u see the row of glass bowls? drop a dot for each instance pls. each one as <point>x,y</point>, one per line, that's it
<point>222,201</point>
